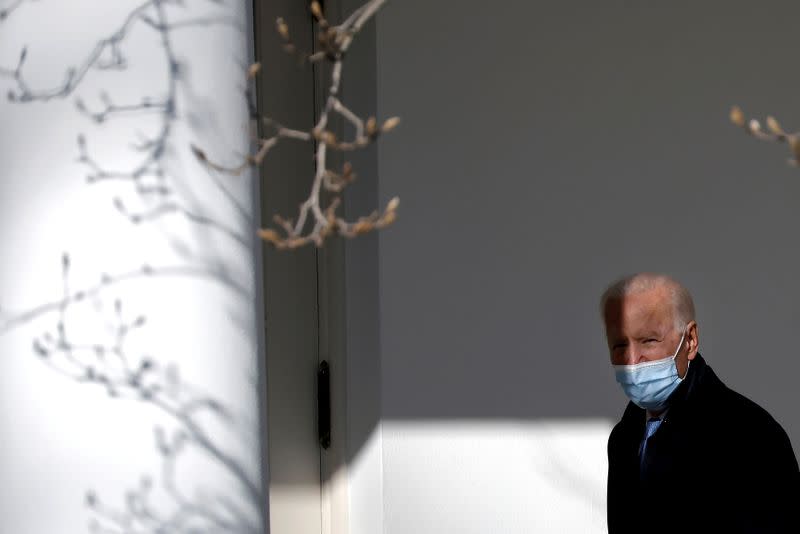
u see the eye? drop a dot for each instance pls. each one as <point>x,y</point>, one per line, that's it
<point>651,340</point>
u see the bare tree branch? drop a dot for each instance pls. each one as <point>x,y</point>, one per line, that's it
<point>315,222</point>
<point>774,132</point>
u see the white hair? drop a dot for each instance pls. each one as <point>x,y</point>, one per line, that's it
<point>682,304</point>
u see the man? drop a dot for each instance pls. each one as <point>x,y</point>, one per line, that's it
<point>689,454</point>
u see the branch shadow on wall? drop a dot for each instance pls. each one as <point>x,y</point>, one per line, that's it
<point>153,191</point>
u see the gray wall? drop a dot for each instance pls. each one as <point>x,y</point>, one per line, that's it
<point>548,147</point>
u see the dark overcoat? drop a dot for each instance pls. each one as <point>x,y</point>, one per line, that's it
<point>717,463</point>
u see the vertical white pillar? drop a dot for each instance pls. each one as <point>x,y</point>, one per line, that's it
<point>128,348</point>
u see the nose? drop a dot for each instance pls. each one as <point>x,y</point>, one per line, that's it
<point>631,355</point>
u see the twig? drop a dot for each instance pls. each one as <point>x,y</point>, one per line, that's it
<point>314,222</point>
<point>775,132</point>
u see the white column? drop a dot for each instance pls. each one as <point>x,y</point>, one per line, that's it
<point>128,347</point>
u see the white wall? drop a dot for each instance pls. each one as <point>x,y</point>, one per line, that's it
<point>499,477</point>
<point>64,436</point>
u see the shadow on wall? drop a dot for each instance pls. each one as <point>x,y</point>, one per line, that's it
<point>86,333</point>
<point>105,361</point>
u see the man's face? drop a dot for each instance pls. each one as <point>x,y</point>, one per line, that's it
<point>641,328</point>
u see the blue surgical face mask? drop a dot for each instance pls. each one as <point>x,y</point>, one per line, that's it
<point>650,384</point>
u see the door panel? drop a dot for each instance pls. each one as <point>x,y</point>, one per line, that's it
<point>286,94</point>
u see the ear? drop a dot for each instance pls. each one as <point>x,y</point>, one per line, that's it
<point>692,339</point>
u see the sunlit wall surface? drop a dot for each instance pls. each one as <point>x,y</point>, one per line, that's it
<point>128,377</point>
<point>505,476</point>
